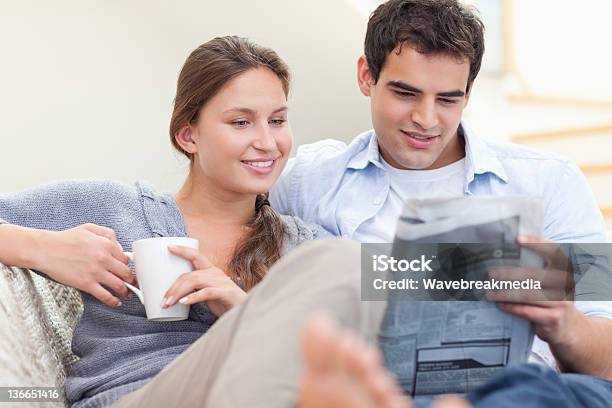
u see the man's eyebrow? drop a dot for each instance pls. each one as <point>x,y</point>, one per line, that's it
<point>453,94</point>
<point>407,87</point>
<point>404,86</point>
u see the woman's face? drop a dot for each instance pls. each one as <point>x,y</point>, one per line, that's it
<point>242,135</point>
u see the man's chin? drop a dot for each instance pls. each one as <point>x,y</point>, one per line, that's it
<point>415,164</point>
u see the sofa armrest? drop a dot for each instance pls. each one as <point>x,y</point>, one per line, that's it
<point>38,317</point>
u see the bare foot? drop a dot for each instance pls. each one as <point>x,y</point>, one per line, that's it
<point>451,401</point>
<point>341,371</point>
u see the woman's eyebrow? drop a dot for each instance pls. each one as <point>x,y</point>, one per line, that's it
<point>241,110</point>
<point>250,111</point>
<point>281,109</point>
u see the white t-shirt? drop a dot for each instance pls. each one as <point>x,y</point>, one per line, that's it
<point>447,181</point>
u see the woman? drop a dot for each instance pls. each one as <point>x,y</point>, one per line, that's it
<point>230,120</point>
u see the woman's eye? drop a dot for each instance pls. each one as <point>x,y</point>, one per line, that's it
<point>240,123</point>
<point>277,122</point>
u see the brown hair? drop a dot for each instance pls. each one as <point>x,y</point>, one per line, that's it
<point>207,69</point>
<point>430,26</point>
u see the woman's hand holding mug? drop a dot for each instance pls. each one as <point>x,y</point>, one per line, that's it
<point>206,283</point>
<point>88,258</point>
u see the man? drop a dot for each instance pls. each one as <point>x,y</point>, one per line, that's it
<point>421,60</point>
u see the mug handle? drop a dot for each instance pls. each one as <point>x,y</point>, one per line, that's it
<point>134,289</point>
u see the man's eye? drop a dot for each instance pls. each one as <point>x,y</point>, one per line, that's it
<point>240,123</point>
<point>448,101</point>
<point>277,122</point>
<point>404,94</point>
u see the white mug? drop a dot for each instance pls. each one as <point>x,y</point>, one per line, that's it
<point>156,270</point>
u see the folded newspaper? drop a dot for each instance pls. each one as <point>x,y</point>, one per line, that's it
<point>453,346</point>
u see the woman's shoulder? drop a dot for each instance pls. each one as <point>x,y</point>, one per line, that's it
<point>77,191</point>
<point>64,204</point>
<point>89,187</point>
<point>298,231</point>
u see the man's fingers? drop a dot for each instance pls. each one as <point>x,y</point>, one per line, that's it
<point>521,295</point>
<point>510,273</point>
<point>198,260</point>
<point>544,247</point>
<point>104,296</point>
<point>553,281</point>
<point>535,314</point>
<point>548,304</point>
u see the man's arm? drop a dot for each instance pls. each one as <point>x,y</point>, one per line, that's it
<point>579,343</point>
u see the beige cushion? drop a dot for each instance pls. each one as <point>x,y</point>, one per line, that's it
<point>37,318</point>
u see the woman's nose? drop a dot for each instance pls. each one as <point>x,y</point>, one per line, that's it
<point>265,139</point>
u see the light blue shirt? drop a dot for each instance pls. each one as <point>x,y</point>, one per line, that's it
<point>340,187</point>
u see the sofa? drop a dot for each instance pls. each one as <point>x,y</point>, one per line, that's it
<point>37,318</point>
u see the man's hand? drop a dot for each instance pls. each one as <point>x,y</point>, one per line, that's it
<point>557,322</point>
<point>556,277</point>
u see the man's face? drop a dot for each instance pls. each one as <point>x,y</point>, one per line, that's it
<point>417,104</point>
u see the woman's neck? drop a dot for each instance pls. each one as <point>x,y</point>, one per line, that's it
<point>216,217</point>
<point>202,200</point>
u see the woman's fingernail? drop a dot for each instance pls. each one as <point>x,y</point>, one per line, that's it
<point>163,302</point>
<point>119,304</point>
<point>184,300</point>
<point>169,300</point>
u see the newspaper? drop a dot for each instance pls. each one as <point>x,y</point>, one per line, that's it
<point>436,347</point>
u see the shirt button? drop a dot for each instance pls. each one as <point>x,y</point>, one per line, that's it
<point>376,201</point>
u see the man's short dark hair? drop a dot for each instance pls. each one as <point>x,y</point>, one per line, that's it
<point>429,26</point>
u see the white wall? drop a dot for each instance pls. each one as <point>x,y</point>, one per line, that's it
<point>86,87</point>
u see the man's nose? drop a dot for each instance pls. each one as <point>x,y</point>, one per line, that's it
<point>424,114</point>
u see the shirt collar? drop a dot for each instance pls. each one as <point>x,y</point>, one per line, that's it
<point>479,157</point>
<point>367,152</point>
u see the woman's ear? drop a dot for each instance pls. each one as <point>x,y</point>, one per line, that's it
<point>184,138</point>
